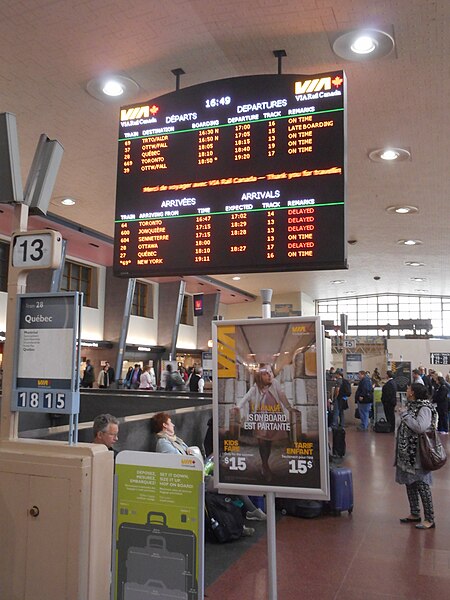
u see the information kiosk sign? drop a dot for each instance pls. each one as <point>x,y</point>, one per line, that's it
<point>244,172</point>
<point>270,429</point>
<point>46,372</point>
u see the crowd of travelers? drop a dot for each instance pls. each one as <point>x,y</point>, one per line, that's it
<point>173,378</point>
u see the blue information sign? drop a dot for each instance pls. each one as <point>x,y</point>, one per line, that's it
<point>46,377</point>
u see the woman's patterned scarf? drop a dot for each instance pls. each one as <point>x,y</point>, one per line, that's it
<point>408,440</point>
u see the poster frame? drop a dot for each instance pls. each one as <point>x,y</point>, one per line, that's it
<point>318,492</point>
<point>148,464</point>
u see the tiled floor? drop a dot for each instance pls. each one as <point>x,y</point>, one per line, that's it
<point>366,556</point>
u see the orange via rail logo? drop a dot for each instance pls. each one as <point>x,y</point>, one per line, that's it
<point>187,461</point>
<point>317,85</point>
<point>138,112</point>
<point>296,329</point>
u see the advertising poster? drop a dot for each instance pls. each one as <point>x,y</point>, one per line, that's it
<point>159,542</point>
<point>269,407</point>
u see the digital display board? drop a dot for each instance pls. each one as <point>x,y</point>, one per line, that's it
<point>237,175</point>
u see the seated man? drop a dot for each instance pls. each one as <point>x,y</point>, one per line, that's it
<point>106,431</point>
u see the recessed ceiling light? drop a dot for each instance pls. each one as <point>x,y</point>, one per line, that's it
<point>363,44</point>
<point>418,279</point>
<point>337,281</point>
<point>412,263</point>
<point>68,201</point>
<point>410,242</point>
<point>389,154</point>
<point>236,278</point>
<point>113,87</point>
<point>402,210</point>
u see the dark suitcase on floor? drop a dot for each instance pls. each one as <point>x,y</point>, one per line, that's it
<point>297,507</point>
<point>382,426</point>
<point>341,490</point>
<point>134,540</point>
<point>339,446</point>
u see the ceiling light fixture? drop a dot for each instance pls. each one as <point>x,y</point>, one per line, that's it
<point>389,154</point>
<point>337,281</point>
<point>68,201</point>
<point>410,242</point>
<point>412,263</point>
<point>236,278</point>
<point>363,44</point>
<point>417,279</point>
<point>111,88</point>
<point>402,210</point>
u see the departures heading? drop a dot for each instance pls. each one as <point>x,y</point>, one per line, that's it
<point>237,175</point>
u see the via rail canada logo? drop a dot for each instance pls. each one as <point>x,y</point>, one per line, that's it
<point>311,89</point>
<point>138,112</point>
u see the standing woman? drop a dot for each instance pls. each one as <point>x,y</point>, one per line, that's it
<point>418,416</point>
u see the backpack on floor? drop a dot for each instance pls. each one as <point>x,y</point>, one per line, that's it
<point>224,521</point>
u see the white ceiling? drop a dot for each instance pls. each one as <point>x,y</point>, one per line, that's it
<point>50,49</point>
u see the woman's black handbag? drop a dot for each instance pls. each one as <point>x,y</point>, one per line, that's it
<point>432,452</point>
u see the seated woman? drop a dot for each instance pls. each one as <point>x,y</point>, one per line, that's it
<point>168,442</point>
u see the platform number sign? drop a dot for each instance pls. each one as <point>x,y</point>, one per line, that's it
<point>46,366</point>
<point>36,250</point>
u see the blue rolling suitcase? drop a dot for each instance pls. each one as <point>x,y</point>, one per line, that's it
<point>341,490</point>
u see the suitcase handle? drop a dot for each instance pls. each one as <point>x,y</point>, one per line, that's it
<point>156,542</point>
<point>156,518</point>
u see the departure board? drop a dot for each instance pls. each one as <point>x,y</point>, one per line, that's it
<point>237,175</point>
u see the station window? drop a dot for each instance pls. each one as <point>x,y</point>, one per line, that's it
<point>142,300</point>
<point>387,309</point>
<point>4,258</point>
<point>78,278</point>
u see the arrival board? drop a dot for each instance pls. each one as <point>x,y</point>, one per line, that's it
<point>237,175</point>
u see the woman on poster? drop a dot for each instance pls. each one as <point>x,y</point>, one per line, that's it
<point>267,411</point>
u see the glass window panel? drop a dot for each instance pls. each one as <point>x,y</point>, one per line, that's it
<point>388,299</point>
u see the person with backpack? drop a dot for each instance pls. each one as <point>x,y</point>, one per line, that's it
<point>364,398</point>
<point>174,380</point>
<point>343,391</point>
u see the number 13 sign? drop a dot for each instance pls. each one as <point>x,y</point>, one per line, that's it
<point>36,249</point>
